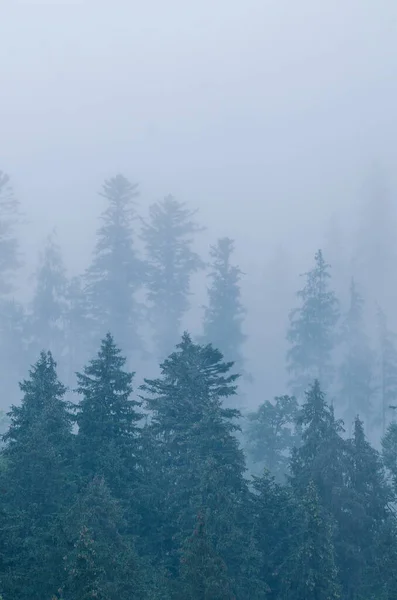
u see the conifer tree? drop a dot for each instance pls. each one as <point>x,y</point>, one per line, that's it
<point>116,273</point>
<point>312,330</point>
<point>356,376</point>
<point>365,513</point>
<point>322,454</point>
<point>46,321</point>
<point>312,571</point>
<point>107,419</point>
<point>203,572</point>
<point>224,314</point>
<point>202,467</point>
<point>101,562</point>
<point>38,483</point>
<point>171,262</point>
<point>389,453</point>
<point>272,434</point>
<point>388,369</point>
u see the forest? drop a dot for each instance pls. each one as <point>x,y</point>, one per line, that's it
<point>143,460</point>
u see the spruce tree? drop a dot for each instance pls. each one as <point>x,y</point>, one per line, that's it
<point>224,314</point>
<point>116,273</point>
<point>311,570</point>
<point>107,420</point>
<point>312,332</point>
<point>203,572</point>
<point>168,236</point>
<point>202,467</point>
<point>101,562</point>
<point>361,525</point>
<point>321,456</point>
<point>37,483</point>
<point>356,372</point>
<point>271,434</point>
<point>389,453</point>
<point>46,321</point>
<point>388,370</point>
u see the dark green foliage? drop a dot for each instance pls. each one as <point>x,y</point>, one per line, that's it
<point>356,376</point>
<point>224,314</point>
<point>107,419</point>
<point>202,466</point>
<point>311,570</point>
<point>322,454</point>
<point>272,434</point>
<point>116,274</point>
<point>101,563</point>
<point>168,237</point>
<point>312,330</point>
<point>389,452</point>
<point>37,483</point>
<point>203,573</point>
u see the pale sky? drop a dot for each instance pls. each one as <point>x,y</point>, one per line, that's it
<point>265,114</point>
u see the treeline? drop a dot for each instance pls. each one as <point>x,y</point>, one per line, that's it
<point>144,493</point>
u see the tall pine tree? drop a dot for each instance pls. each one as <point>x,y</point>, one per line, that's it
<point>38,483</point>
<point>168,235</point>
<point>388,370</point>
<point>312,330</point>
<point>116,273</point>
<point>107,420</point>
<point>224,314</point>
<point>202,467</point>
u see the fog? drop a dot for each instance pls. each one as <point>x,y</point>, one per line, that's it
<point>267,116</point>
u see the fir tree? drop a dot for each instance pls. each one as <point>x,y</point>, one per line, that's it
<point>272,434</point>
<point>357,385</point>
<point>202,467</point>
<point>38,482</point>
<point>116,273</point>
<point>203,572</point>
<point>362,520</point>
<point>389,453</point>
<point>101,563</point>
<point>223,317</point>
<point>322,454</point>
<point>107,419</point>
<point>311,571</point>
<point>168,237</point>
<point>46,322</point>
<point>312,330</point>
<point>388,368</point>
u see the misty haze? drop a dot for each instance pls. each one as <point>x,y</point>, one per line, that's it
<point>198,292</point>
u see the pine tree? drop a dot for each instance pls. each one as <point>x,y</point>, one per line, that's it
<point>322,454</point>
<point>46,321</point>
<point>168,237</point>
<point>203,572</point>
<point>311,571</point>
<point>389,453</point>
<point>362,521</point>
<point>388,368</point>
<point>223,317</point>
<point>116,273</point>
<point>312,330</point>
<point>271,434</point>
<point>107,419</point>
<point>202,466</point>
<point>101,563</point>
<point>357,384</point>
<point>274,522</point>
<point>38,483</point>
